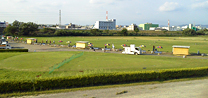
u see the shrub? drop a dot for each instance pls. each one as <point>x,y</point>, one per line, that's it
<point>100,79</point>
<point>13,50</point>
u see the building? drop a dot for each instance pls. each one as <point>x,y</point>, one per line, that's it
<point>70,26</point>
<point>190,26</point>
<point>181,50</point>
<point>132,27</point>
<point>106,25</point>
<point>3,25</point>
<point>184,27</point>
<point>147,26</point>
<point>160,29</point>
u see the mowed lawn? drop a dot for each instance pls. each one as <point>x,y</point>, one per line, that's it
<point>197,43</point>
<point>31,65</point>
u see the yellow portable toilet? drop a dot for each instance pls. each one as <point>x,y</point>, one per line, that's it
<point>30,40</point>
<point>81,44</point>
<point>181,50</point>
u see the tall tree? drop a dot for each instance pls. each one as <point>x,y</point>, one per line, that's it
<point>10,30</point>
<point>136,30</point>
<point>27,28</point>
<point>124,32</point>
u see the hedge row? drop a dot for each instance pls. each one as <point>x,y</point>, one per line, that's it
<point>102,79</point>
<point>13,50</point>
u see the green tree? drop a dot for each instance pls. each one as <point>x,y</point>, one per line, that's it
<point>136,30</point>
<point>124,32</point>
<point>189,32</point>
<point>10,30</point>
<point>106,31</point>
<point>95,32</point>
<point>28,28</point>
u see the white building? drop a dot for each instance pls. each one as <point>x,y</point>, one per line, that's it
<point>3,24</point>
<point>184,27</point>
<point>106,25</point>
<point>190,26</point>
<point>131,27</point>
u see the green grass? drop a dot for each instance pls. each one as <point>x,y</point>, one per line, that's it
<point>196,43</point>
<point>30,65</point>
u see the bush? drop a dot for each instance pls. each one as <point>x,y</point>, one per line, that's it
<point>100,79</point>
<point>189,32</point>
<point>13,50</point>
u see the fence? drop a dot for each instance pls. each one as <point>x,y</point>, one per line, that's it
<point>64,62</point>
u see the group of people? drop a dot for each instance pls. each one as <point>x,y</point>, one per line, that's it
<point>47,42</point>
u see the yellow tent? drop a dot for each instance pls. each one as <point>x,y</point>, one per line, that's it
<point>181,50</point>
<point>30,40</point>
<point>81,44</point>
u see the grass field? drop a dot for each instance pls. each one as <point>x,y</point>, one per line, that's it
<point>197,43</point>
<point>30,65</point>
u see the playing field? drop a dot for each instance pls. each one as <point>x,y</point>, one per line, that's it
<point>37,64</point>
<point>197,43</point>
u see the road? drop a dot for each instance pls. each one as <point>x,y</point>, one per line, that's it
<point>185,89</point>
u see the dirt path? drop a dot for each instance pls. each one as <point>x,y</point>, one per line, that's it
<point>185,89</point>
<point>46,48</point>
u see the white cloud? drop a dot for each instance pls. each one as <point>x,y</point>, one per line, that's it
<point>19,1</point>
<point>201,5</point>
<point>169,6</point>
<point>103,1</point>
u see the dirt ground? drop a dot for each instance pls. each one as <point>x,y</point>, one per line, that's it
<point>47,48</point>
<point>185,89</point>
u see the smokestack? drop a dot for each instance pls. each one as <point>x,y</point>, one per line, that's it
<point>168,24</point>
<point>106,15</point>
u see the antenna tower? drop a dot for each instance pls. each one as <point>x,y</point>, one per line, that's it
<point>59,17</point>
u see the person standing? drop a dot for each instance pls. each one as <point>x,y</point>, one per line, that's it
<point>153,48</point>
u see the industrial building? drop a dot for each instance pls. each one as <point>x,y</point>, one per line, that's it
<point>147,26</point>
<point>106,25</point>
<point>3,25</point>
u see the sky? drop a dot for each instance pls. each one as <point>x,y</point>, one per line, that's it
<point>87,12</point>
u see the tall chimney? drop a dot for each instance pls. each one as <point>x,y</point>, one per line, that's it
<point>106,15</point>
<point>168,25</point>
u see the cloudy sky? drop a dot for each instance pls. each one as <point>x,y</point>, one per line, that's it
<point>86,12</point>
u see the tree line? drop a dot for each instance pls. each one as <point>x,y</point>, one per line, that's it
<point>31,29</point>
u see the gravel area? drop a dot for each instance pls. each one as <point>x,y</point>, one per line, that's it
<point>185,89</point>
